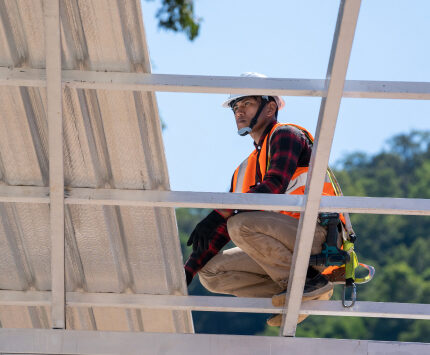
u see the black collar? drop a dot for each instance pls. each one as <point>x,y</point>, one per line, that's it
<point>265,133</point>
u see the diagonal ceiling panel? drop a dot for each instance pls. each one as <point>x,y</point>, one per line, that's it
<point>112,139</point>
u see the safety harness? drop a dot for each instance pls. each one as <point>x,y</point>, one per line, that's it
<point>342,263</point>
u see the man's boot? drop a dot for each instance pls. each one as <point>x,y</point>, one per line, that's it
<point>275,320</point>
<point>314,287</point>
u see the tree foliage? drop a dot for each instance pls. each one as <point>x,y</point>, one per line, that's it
<point>396,245</point>
<point>178,16</point>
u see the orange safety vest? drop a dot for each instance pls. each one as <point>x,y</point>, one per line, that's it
<point>245,174</point>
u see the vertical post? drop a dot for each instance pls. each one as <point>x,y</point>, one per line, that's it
<point>336,73</point>
<point>56,173</point>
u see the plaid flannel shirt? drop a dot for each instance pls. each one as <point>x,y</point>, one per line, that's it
<point>289,149</point>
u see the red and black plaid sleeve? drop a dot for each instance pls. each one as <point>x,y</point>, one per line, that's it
<point>196,261</point>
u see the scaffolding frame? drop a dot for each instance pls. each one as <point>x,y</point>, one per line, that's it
<point>71,342</point>
<point>332,89</point>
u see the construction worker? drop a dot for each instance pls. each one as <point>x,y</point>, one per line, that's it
<point>259,265</point>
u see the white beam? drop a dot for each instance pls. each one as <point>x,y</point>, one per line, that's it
<point>216,304</point>
<point>22,77</point>
<point>367,309</point>
<point>24,194</point>
<point>194,83</point>
<point>56,173</point>
<point>387,90</point>
<point>184,199</point>
<point>377,205</point>
<point>336,73</point>
<point>42,341</point>
<point>153,198</point>
<point>216,84</point>
<point>25,298</point>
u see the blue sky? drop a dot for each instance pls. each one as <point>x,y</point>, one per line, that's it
<point>288,39</point>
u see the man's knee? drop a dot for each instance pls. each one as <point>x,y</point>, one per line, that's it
<point>233,224</point>
<point>238,225</point>
<point>209,280</point>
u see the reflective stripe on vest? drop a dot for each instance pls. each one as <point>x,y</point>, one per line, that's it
<point>245,175</point>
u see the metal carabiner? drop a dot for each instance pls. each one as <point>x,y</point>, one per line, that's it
<point>349,295</point>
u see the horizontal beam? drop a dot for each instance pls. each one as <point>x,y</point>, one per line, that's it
<point>217,304</point>
<point>73,342</point>
<point>153,198</point>
<point>216,84</point>
<point>397,90</point>
<point>25,298</point>
<point>376,205</point>
<point>186,199</point>
<point>22,77</point>
<point>24,194</point>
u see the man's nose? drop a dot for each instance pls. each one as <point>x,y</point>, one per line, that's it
<point>240,111</point>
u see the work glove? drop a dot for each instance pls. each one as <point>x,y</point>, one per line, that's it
<point>205,229</point>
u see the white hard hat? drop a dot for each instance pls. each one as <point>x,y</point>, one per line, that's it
<point>278,99</point>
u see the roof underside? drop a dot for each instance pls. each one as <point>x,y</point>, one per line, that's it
<point>112,139</point>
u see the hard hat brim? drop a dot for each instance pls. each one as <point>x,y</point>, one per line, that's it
<point>232,98</point>
<point>279,100</point>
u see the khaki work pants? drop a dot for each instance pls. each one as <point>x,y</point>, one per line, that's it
<point>259,265</point>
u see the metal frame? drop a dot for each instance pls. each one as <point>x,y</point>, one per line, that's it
<point>155,198</point>
<point>336,73</point>
<point>400,90</point>
<point>332,89</point>
<point>216,304</point>
<point>39,341</point>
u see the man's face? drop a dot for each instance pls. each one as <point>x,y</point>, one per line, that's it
<point>244,110</point>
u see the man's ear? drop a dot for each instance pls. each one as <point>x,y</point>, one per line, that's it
<point>271,109</point>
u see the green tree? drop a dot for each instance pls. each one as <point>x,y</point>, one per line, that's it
<point>178,16</point>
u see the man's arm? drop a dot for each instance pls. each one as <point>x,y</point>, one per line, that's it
<point>199,258</point>
<point>220,237</point>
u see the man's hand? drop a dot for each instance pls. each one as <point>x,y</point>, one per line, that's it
<point>202,234</point>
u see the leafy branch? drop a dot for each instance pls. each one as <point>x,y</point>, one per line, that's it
<point>178,16</point>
